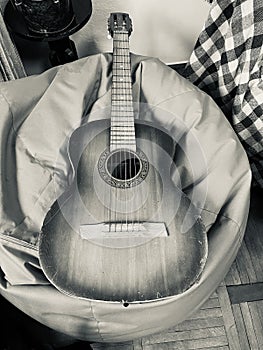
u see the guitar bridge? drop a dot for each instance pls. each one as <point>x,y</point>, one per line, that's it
<point>124,234</point>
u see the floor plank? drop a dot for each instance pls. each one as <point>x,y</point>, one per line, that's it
<point>229,321</point>
<point>252,339</point>
<point>190,344</point>
<point>256,311</point>
<point>241,329</point>
<point>245,292</point>
<point>247,267</point>
<point>233,277</point>
<point>200,323</point>
<point>186,335</point>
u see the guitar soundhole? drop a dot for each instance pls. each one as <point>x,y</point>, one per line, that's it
<point>123,165</point>
<point>123,168</point>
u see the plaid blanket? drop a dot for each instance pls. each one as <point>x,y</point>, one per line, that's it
<point>227,63</point>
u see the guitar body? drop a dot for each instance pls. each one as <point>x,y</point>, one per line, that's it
<point>123,231</point>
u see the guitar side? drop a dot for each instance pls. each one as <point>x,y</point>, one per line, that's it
<point>157,267</point>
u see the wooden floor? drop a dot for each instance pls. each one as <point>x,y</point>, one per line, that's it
<point>233,316</point>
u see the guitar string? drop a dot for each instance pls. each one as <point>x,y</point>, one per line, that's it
<point>127,103</point>
<point>130,108</point>
<point>124,39</point>
<point>117,109</point>
<point>121,113</point>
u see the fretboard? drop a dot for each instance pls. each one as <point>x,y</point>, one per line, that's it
<point>122,114</point>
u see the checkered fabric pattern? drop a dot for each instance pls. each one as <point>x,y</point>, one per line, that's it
<point>227,63</point>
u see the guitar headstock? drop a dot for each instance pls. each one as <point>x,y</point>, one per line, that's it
<point>120,22</point>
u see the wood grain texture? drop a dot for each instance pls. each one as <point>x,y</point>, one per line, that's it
<point>250,331</point>
<point>247,267</point>
<point>159,267</point>
<point>256,312</point>
<point>228,317</point>
<point>243,322</point>
<point>245,292</point>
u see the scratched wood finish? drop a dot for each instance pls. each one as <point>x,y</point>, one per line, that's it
<point>242,322</point>
<point>160,267</point>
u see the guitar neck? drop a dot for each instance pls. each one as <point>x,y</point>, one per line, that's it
<point>122,113</point>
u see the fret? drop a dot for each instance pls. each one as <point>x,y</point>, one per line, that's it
<point>125,61</point>
<point>126,133</point>
<point>116,77</point>
<point>121,79</point>
<point>119,73</point>
<point>121,101</point>
<point>123,121</point>
<point>122,118</point>
<point>120,142</point>
<point>122,111</point>
<point>119,111</point>
<point>120,40</point>
<point>126,127</point>
<point>121,67</point>
<point>126,121</point>
<point>120,115</point>
<point>121,85</point>
<point>121,51</point>
<point>117,86</point>
<point>122,104</point>
<point>121,91</point>
<point>121,138</point>
<point>121,96</point>
<point>123,124</point>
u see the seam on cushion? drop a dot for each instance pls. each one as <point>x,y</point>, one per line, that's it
<point>218,216</point>
<point>10,110</point>
<point>10,107</point>
<point>13,241</point>
<point>95,318</point>
<point>173,96</point>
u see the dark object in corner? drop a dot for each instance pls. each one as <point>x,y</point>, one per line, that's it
<point>50,21</point>
<point>11,66</point>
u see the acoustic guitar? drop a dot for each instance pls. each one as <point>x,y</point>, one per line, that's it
<point>123,231</point>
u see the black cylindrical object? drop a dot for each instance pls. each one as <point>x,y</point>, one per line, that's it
<point>46,16</point>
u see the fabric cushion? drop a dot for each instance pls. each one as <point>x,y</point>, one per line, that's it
<point>38,114</point>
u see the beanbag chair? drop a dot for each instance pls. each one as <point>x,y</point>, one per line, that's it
<point>38,113</point>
